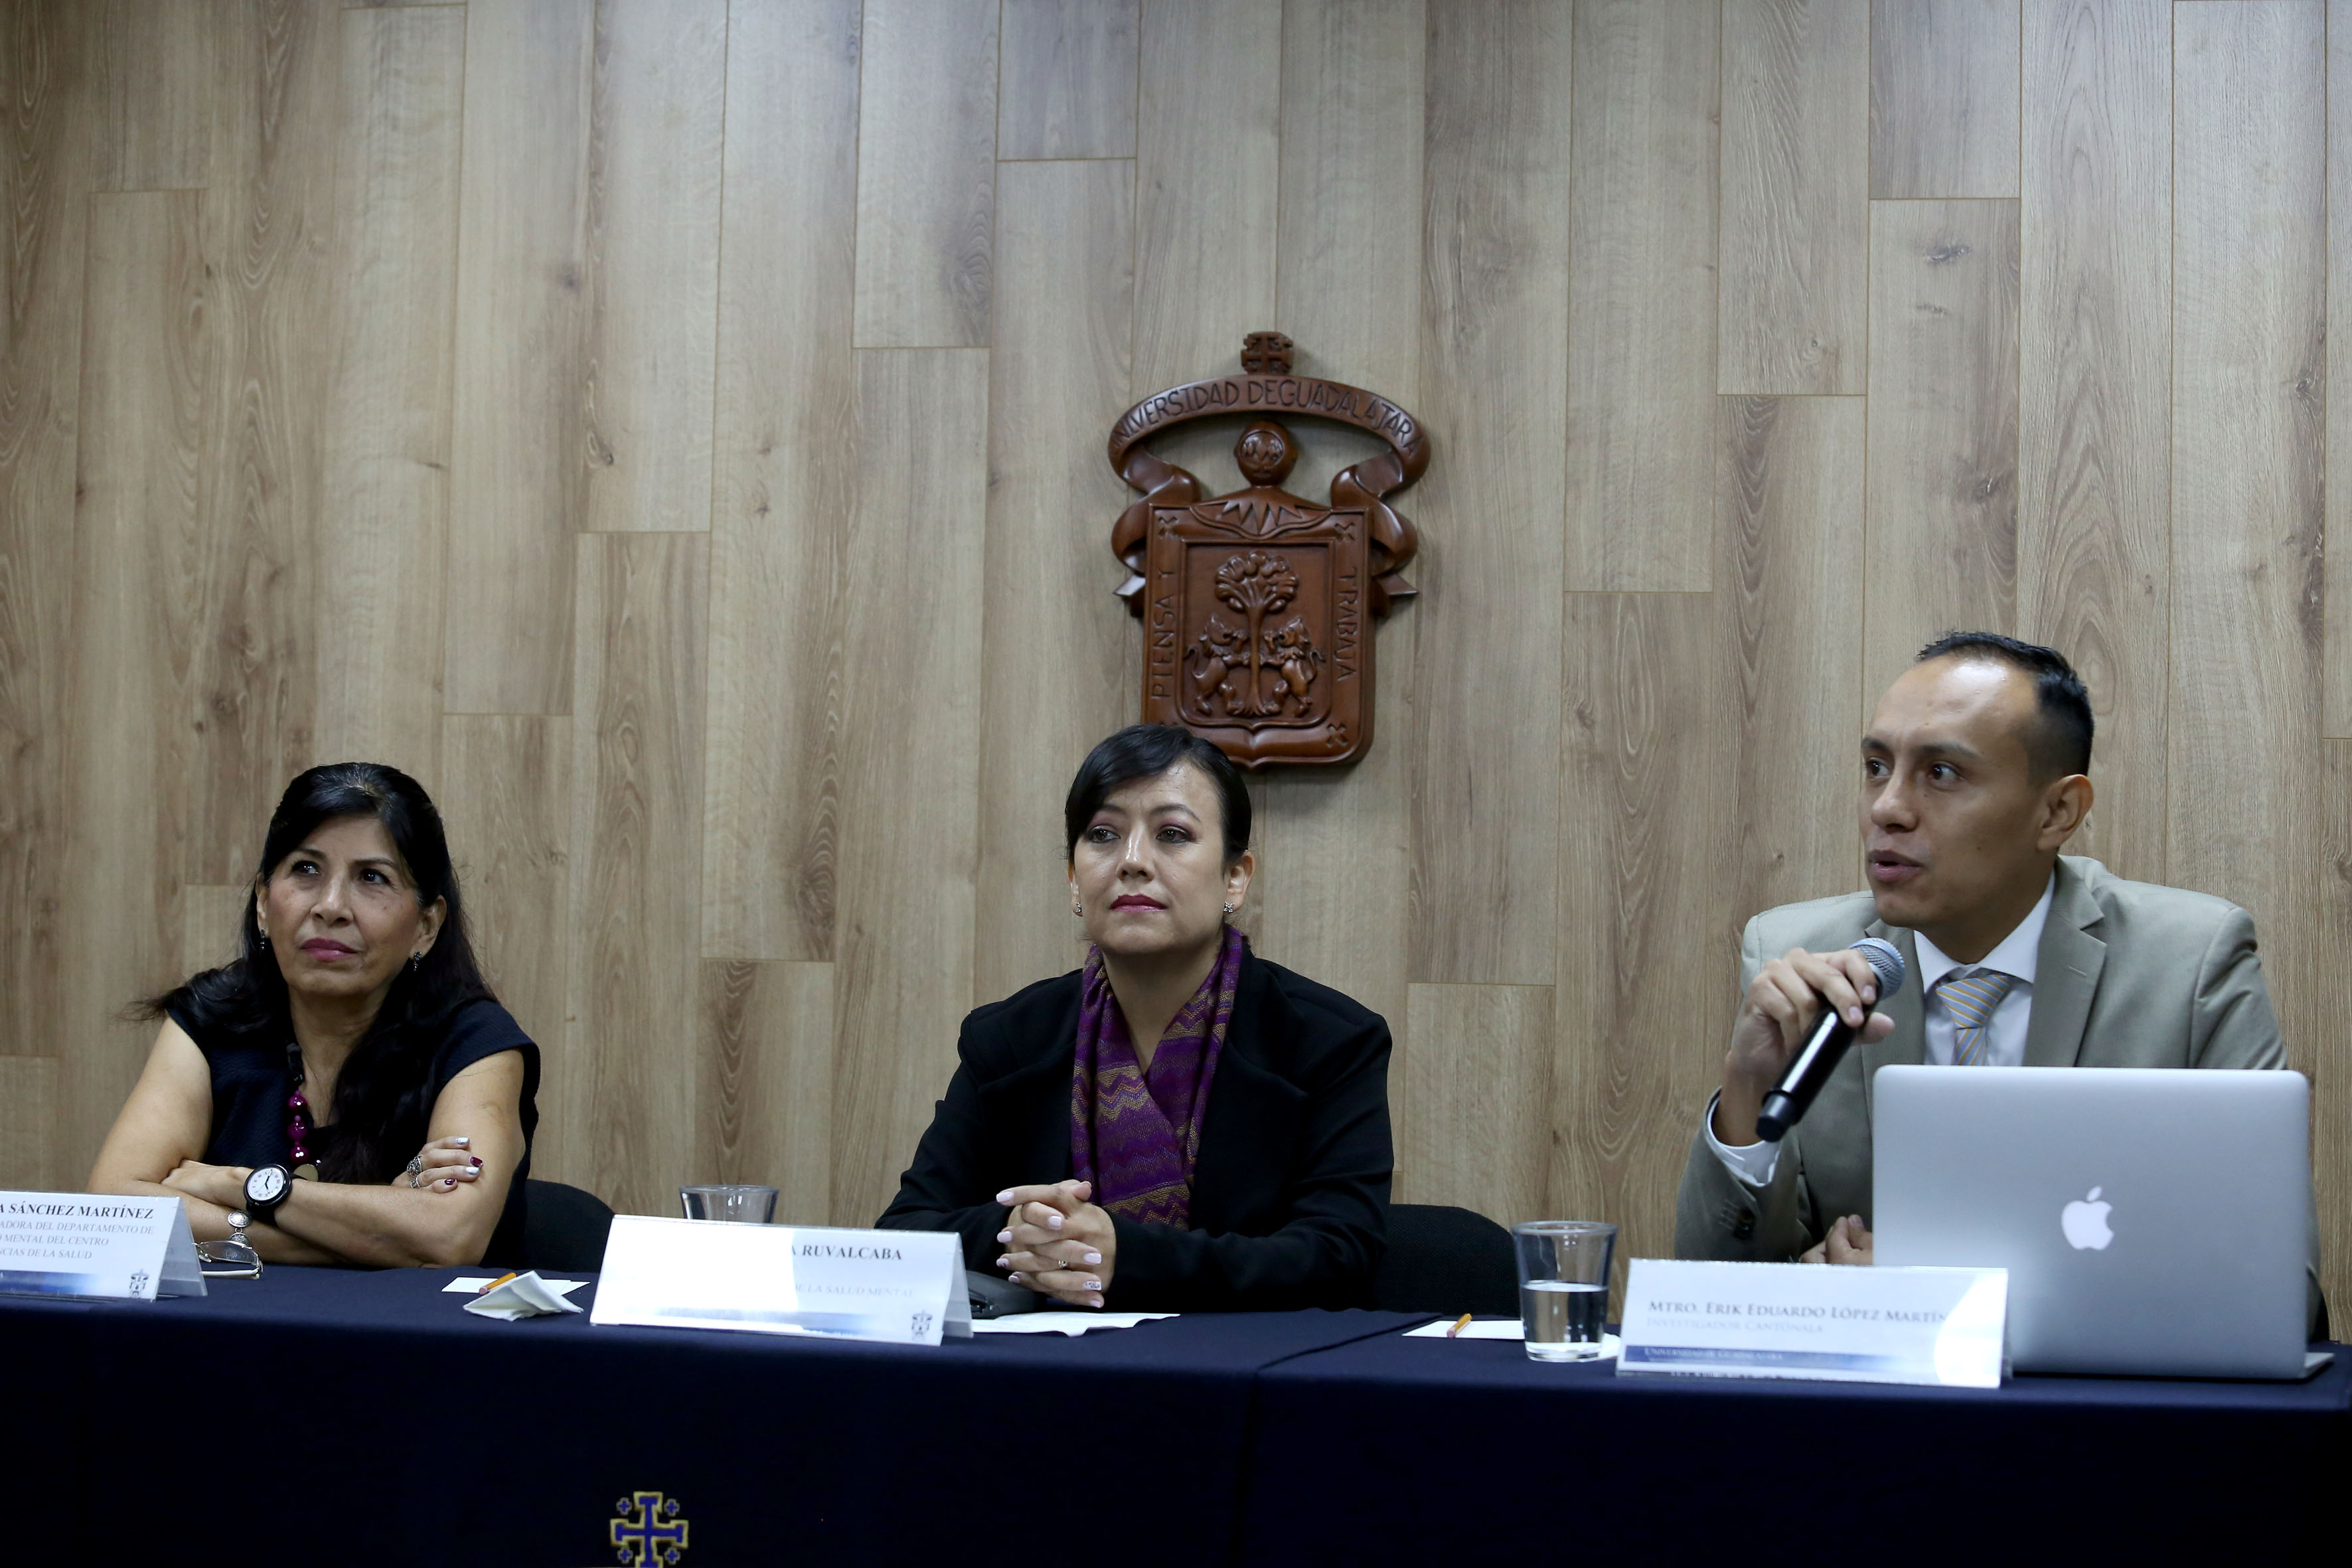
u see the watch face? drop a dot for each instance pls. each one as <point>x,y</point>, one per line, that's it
<point>266,1186</point>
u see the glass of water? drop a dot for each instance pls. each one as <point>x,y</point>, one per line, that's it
<point>729,1201</point>
<point>1563,1285</point>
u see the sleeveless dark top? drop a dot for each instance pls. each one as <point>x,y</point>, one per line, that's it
<point>250,1083</point>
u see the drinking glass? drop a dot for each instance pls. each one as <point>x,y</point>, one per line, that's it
<point>734,1202</point>
<point>1563,1285</point>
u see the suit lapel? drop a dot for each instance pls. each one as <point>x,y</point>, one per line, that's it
<point>1253,1111</point>
<point>2065,975</point>
<point>1907,1045</point>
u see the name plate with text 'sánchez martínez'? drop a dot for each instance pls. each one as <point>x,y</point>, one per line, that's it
<point>901,1287</point>
<point>1936,1326</point>
<point>92,1243</point>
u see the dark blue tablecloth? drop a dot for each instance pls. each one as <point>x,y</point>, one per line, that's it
<point>366,1418</point>
<point>1393,1450</point>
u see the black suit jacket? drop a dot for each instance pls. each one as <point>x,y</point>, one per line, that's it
<point>1290,1194</point>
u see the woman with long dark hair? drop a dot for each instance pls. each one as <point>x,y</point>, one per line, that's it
<point>347,1090</point>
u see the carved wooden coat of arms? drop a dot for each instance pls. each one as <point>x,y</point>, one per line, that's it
<point>1257,606</point>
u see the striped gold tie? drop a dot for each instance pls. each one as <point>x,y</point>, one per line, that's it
<point>1971,1002</point>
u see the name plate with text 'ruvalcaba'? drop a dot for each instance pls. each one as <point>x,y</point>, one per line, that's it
<point>902,1287</point>
<point>1937,1326</point>
<point>94,1244</point>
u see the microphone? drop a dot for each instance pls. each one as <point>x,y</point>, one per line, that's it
<point>1825,1047</point>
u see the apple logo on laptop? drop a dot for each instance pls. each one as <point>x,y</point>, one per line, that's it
<point>2086,1223</point>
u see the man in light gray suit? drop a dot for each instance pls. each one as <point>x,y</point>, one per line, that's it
<point>1972,781</point>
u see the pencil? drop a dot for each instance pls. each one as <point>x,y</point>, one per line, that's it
<point>496,1283</point>
<point>1460,1323</point>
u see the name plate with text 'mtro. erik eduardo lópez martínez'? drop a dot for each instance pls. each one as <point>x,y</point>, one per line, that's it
<point>1937,1326</point>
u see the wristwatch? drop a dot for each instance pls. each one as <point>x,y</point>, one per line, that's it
<point>265,1189</point>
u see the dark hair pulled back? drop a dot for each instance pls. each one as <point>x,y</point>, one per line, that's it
<point>1147,750</point>
<point>381,1101</point>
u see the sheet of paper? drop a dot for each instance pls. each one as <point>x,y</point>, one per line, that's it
<point>1930,1326</point>
<point>1478,1329</point>
<point>524,1296</point>
<point>473,1285</point>
<point>1061,1323</point>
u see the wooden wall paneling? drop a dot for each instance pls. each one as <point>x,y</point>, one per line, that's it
<point>1645,831</point>
<point>506,801</point>
<point>160,76</point>
<point>658,124</point>
<point>1480,1134</point>
<point>911,748</point>
<point>29,1107</point>
<point>1641,331</point>
<point>926,173</point>
<point>383,508</point>
<point>145,356</point>
<point>1944,86</point>
<point>1335,844</point>
<point>49,107</point>
<point>2095,382</point>
<point>1051,630</point>
<point>784,480</point>
<point>1066,85</point>
<point>1796,183</point>
<point>2322,1056</point>
<point>2249,302</point>
<point>1789,521</point>
<point>1486,747</point>
<point>252,698</point>
<point>1208,165</point>
<point>2337,718</point>
<point>623,1086</point>
<point>765,1072</point>
<point>517,475</point>
<point>1942,491</point>
<point>211,924</point>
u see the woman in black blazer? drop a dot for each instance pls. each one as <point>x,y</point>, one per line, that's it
<point>1239,1163</point>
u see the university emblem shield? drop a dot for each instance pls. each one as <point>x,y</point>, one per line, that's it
<point>1257,605</point>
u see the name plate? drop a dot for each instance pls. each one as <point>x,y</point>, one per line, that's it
<point>1834,1324</point>
<point>901,1287</point>
<point>87,1244</point>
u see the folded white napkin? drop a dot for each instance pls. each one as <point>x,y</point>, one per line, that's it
<point>524,1296</point>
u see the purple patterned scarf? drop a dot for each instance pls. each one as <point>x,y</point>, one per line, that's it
<point>1134,1134</point>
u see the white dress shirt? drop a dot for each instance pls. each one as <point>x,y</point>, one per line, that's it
<point>2014,955</point>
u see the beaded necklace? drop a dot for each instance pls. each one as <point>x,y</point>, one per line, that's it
<point>297,1125</point>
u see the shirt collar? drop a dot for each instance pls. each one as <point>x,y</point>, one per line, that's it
<point>2015,954</point>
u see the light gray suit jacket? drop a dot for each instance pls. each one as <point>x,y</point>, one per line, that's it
<point>2129,975</point>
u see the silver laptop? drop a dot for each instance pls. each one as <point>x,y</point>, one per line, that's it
<point>2153,1222</point>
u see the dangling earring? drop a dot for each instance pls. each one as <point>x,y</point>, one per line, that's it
<point>1077,909</point>
<point>414,961</point>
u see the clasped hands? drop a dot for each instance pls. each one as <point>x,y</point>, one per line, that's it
<point>1057,1242</point>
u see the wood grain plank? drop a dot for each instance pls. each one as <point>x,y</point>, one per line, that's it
<point>1942,493</point>
<point>1788,521</point>
<point>1335,844</point>
<point>2095,381</point>
<point>1944,95</point>
<point>1208,165</point>
<point>1646,827</point>
<point>2248,431</point>
<point>911,748</point>
<point>2337,718</point>
<point>926,173</point>
<point>505,802</point>
<point>2320,1057</point>
<point>1067,89</point>
<point>212,923</point>
<point>385,506</point>
<point>518,483</point>
<point>1795,183</point>
<point>252,702</point>
<point>1485,746</point>
<point>49,110</point>
<point>654,154</point>
<point>1051,630</point>
<point>766,1076</point>
<point>1641,358</point>
<point>624,1120</point>
<point>145,370</point>
<point>784,481</point>
<point>29,1106</point>
<point>1478,1133</point>
<point>160,75</point>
